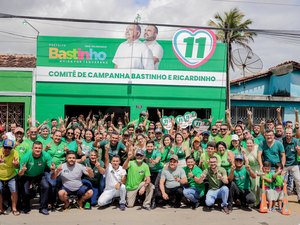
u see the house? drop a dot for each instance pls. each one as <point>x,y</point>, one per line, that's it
<point>264,92</point>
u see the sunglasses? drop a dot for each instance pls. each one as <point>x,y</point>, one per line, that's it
<point>223,129</point>
<point>70,133</point>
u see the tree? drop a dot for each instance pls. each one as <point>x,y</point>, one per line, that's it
<point>234,30</point>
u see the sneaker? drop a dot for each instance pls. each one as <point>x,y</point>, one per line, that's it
<point>146,208</point>
<point>225,210</point>
<point>44,211</point>
<point>122,207</point>
<point>153,205</point>
<point>195,205</point>
<point>207,208</point>
<point>25,211</point>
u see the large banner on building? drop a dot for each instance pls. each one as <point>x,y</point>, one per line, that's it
<point>191,57</point>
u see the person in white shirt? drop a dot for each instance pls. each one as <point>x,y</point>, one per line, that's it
<point>115,178</point>
<point>150,35</point>
<point>11,135</point>
<point>133,54</point>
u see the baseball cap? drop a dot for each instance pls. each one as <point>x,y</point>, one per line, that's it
<point>205,132</point>
<point>157,130</point>
<point>143,113</point>
<point>19,129</point>
<point>175,157</point>
<point>140,152</point>
<point>139,129</point>
<point>234,137</point>
<point>8,143</point>
<point>196,139</point>
<point>240,121</point>
<point>240,157</point>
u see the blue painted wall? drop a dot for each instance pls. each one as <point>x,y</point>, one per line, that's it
<point>271,85</point>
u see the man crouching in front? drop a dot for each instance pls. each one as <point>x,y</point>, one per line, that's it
<point>71,173</point>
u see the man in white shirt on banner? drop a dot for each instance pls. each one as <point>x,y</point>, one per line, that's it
<point>150,35</point>
<point>133,54</point>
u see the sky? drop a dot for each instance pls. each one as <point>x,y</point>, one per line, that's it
<point>19,38</point>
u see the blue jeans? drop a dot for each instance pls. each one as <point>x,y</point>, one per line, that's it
<point>44,186</point>
<point>96,191</point>
<point>221,193</point>
<point>191,194</point>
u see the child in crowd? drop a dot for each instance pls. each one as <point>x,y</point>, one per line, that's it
<point>278,179</point>
<point>267,176</point>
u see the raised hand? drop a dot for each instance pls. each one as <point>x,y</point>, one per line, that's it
<point>24,168</point>
<point>52,167</point>
<point>15,162</point>
<point>1,159</point>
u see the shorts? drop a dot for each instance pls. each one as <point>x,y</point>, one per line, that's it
<point>79,193</point>
<point>278,195</point>
<point>271,195</point>
<point>12,185</point>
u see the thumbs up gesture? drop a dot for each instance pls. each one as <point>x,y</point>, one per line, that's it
<point>1,159</point>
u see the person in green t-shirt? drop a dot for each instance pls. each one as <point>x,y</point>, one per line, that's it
<point>44,136</point>
<point>197,149</point>
<point>227,157</point>
<point>292,151</point>
<point>195,190</point>
<point>152,158</point>
<point>32,168</point>
<point>224,135</point>
<point>240,187</point>
<point>217,181</point>
<point>271,150</point>
<point>235,146</point>
<point>278,180</point>
<point>97,166</point>
<point>267,176</point>
<point>138,179</point>
<point>57,149</point>
<point>210,151</point>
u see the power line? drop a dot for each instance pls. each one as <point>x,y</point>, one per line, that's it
<point>17,35</point>
<point>263,3</point>
<point>289,32</point>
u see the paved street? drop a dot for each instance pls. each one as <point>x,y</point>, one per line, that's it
<point>158,216</point>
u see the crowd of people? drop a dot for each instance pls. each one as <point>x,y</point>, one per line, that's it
<point>92,161</point>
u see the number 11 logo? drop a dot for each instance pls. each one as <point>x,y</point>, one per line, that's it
<point>194,47</point>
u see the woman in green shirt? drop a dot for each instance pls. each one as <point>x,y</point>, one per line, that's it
<point>227,157</point>
<point>166,148</point>
<point>251,157</point>
<point>235,146</point>
<point>44,136</point>
<point>86,145</point>
<point>196,149</point>
<point>179,149</point>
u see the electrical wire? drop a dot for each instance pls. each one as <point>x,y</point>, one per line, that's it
<point>263,3</point>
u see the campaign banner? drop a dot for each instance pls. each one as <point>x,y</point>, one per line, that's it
<point>126,76</point>
<point>189,57</point>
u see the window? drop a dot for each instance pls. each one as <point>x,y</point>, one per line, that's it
<point>240,113</point>
<point>12,113</point>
